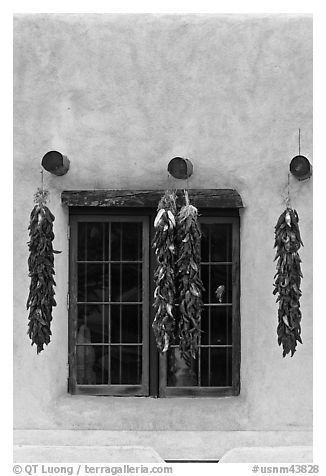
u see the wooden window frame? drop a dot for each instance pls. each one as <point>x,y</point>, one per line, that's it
<point>196,391</point>
<point>107,389</point>
<point>154,364</point>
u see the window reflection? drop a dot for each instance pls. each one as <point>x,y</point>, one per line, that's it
<point>180,373</point>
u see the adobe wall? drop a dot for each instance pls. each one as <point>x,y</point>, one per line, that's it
<point>121,95</point>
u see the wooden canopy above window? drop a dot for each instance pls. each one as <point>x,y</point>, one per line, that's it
<point>201,198</point>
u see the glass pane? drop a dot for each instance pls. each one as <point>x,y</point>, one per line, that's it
<point>216,242</point>
<point>116,245</point>
<point>204,274</point>
<point>81,283</point>
<point>93,323</point>
<point>91,239</point>
<point>81,242</point>
<point>94,282</point>
<point>131,283</point>
<point>221,370</point>
<point>115,323</point>
<point>204,325</point>
<point>115,282</point>
<point>216,367</point>
<point>131,241</point>
<point>179,373</point>
<point>92,364</point>
<point>221,275</point>
<point>204,370</point>
<point>205,241</point>
<point>221,326</point>
<point>90,282</point>
<point>126,323</point>
<point>214,276</point>
<point>126,364</point>
<point>216,325</point>
<point>221,242</point>
<point>131,323</point>
<point>126,282</point>
<point>101,364</point>
<point>106,282</point>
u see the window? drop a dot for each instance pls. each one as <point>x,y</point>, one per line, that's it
<point>112,349</point>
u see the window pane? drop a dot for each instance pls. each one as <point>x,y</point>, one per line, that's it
<point>204,370</point>
<point>204,274</point>
<point>179,373</point>
<point>90,282</point>
<point>204,325</point>
<point>126,323</point>
<point>126,364</point>
<point>81,245</point>
<point>91,239</point>
<point>116,244</point>
<point>205,227</point>
<point>131,323</point>
<point>221,242</point>
<point>115,283</point>
<point>221,326</point>
<point>216,366</point>
<point>131,241</point>
<point>216,325</point>
<point>92,323</point>
<point>92,364</point>
<point>126,282</point>
<point>81,283</point>
<point>131,282</point>
<point>221,370</point>
<point>221,275</point>
<point>214,276</point>
<point>115,323</point>
<point>216,242</point>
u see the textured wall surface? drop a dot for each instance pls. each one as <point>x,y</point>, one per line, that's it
<point>121,95</point>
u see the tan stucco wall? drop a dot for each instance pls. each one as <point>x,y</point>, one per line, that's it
<point>122,95</point>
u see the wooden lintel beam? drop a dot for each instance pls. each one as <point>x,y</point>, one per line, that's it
<point>201,198</point>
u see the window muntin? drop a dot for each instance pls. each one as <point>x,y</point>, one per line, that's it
<point>112,278</point>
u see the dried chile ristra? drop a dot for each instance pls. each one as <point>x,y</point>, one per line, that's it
<point>190,284</point>
<point>164,276</point>
<point>41,271</point>
<point>287,280</point>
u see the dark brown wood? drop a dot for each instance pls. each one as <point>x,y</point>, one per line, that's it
<point>201,198</point>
